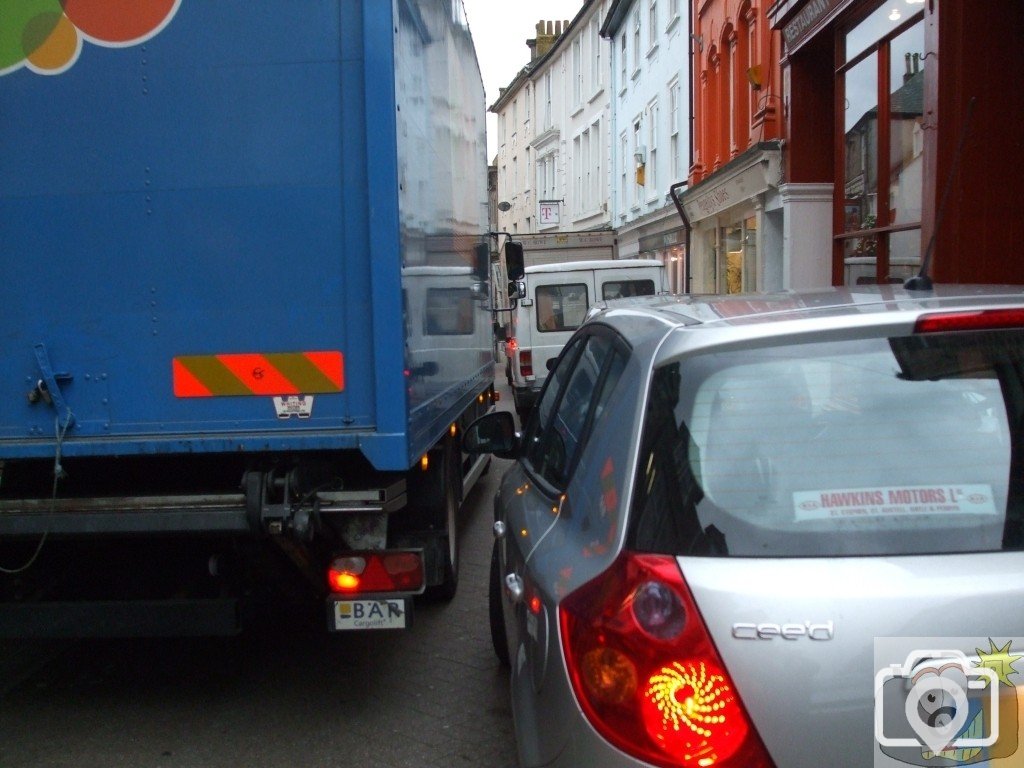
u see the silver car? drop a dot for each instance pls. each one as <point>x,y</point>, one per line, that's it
<point>775,530</point>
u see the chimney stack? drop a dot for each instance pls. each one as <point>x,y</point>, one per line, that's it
<point>548,33</point>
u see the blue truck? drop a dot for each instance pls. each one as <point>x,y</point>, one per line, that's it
<point>243,309</point>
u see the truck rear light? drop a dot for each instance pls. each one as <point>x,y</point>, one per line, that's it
<point>526,362</point>
<point>371,572</point>
<point>974,320</point>
<point>646,673</point>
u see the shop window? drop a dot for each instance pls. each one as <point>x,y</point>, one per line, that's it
<point>880,87</point>
<point>737,263</point>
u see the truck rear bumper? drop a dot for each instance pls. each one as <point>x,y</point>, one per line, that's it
<point>220,513</point>
<point>116,618</point>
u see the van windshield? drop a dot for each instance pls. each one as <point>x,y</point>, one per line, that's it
<point>859,447</point>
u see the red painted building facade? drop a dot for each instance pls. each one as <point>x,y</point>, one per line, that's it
<point>909,111</point>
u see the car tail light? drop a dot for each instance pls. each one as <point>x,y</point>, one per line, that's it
<point>526,362</point>
<point>974,320</point>
<point>366,572</point>
<point>646,672</point>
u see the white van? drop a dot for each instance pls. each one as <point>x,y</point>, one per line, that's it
<point>555,303</point>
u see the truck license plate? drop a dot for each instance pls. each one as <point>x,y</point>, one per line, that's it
<point>380,613</point>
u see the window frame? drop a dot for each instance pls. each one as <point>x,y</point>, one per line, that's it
<point>880,234</point>
<point>534,431</point>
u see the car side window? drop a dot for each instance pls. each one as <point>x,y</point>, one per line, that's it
<point>561,429</point>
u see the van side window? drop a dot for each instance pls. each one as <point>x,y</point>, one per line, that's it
<point>561,307</point>
<point>619,289</point>
<point>449,312</point>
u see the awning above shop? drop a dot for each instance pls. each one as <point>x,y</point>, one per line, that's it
<point>753,173</point>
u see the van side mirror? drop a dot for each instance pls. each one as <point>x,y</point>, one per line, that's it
<point>514,263</point>
<point>516,289</point>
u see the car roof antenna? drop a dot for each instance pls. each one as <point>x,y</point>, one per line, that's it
<point>922,282</point>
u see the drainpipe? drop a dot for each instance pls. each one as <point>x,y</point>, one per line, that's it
<point>679,207</point>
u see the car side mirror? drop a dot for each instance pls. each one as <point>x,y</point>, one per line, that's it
<point>551,363</point>
<point>493,433</point>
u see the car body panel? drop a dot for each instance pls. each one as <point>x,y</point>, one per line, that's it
<point>809,694</point>
<point>827,684</point>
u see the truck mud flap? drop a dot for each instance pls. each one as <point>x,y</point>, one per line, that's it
<point>108,619</point>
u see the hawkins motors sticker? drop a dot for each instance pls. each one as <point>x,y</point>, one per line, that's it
<point>894,501</point>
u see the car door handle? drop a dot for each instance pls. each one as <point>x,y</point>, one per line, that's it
<point>514,587</point>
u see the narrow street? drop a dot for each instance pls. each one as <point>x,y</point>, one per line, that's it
<point>276,695</point>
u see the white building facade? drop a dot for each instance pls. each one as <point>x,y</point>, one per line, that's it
<point>650,128</point>
<point>553,127</point>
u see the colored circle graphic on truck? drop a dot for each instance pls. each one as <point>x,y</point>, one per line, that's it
<point>46,36</point>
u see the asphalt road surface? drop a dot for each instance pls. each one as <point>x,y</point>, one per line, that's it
<point>281,694</point>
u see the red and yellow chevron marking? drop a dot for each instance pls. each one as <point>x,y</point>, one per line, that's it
<point>286,373</point>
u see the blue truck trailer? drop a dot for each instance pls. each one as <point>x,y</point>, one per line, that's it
<point>243,309</point>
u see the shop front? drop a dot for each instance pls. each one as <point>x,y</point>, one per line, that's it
<point>736,219</point>
<point>670,249</point>
<point>909,163</point>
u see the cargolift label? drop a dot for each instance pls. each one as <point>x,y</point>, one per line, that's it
<point>286,373</point>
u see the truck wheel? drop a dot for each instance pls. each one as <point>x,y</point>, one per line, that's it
<point>449,539</point>
<point>495,612</point>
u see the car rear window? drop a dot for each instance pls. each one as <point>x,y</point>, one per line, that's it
<point>857,447</point>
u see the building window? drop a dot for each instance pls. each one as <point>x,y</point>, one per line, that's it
<point>585,180</point>
<point>595,164</point>
<point>652,23</point>
<point>880,87</point>
<point>577,161</point>
<point>596,75</point>
<point>625,163</point>
<point>636,42</point>
<point>622,61</point>
<point>577,71</point>
<point>651,171</point>
<point>675,169</point>
<point>547,99</point>
<point>637,157</point>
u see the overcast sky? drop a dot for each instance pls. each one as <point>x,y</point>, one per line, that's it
<point>500,30</point>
